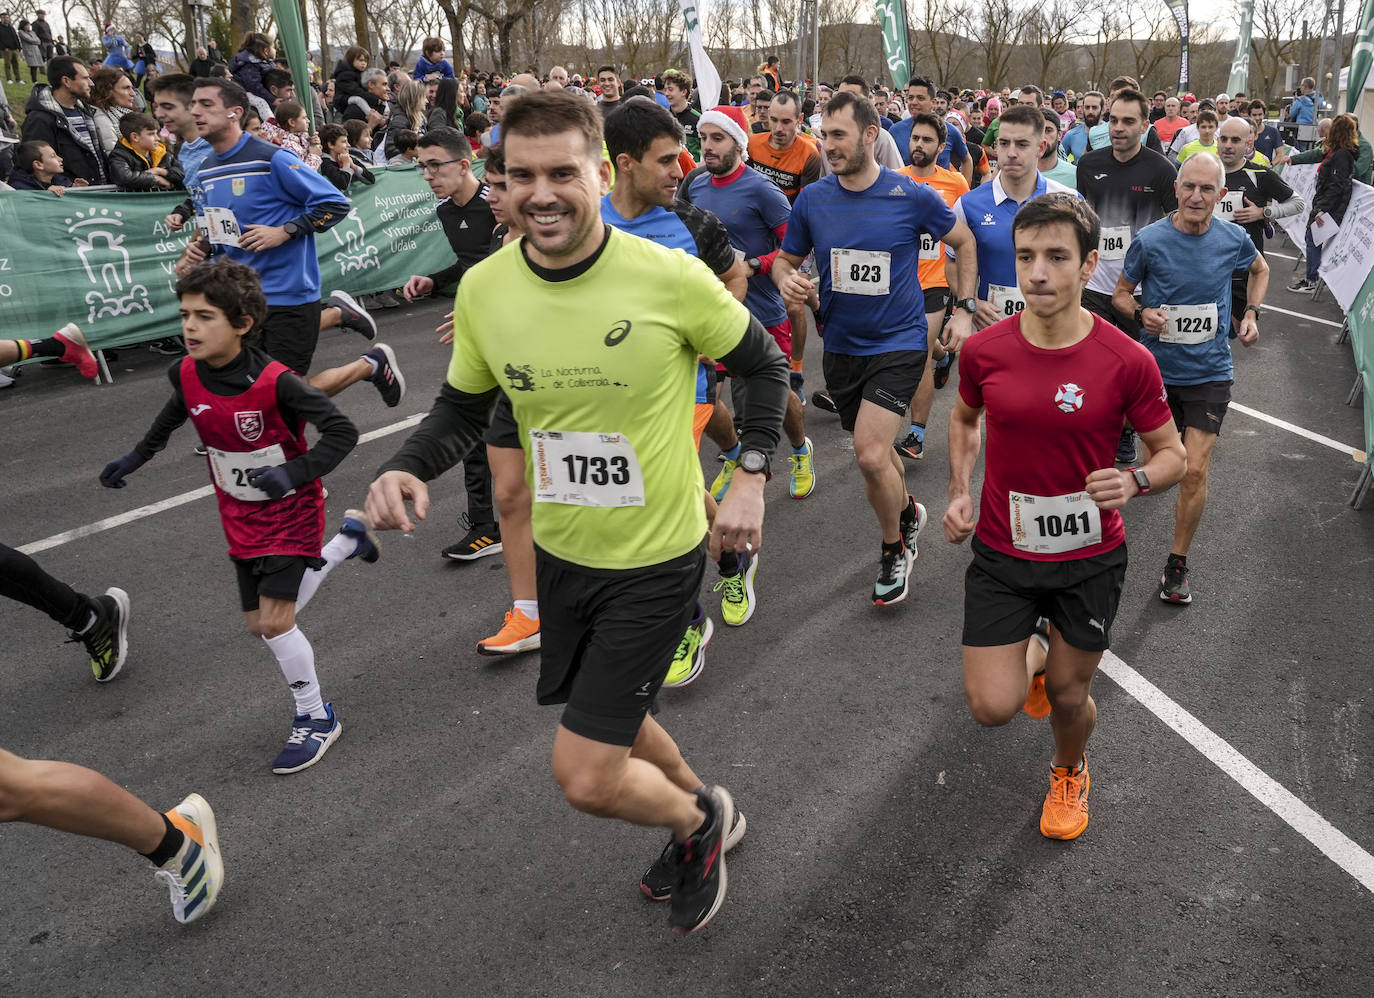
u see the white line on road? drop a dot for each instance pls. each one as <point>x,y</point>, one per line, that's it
<point>1281,256</point>
<point>1300,315</point>
<point>1283,424</point>
<point>1336,845</point>
<point>110,522</point>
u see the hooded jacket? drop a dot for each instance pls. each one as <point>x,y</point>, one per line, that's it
<point>129,168</point>
<point>45,120</point>
<point>247,70</point>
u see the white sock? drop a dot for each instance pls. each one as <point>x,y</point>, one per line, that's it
<point>373,362</point>
<point>296,658</point>
<point>529,607</point>
<point>334,553</point>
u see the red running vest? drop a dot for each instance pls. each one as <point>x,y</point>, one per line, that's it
<point>291,525</point>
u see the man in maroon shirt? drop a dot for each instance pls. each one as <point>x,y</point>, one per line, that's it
<point>1054,383</point>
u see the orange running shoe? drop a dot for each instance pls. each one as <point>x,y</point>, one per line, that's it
<point>518,634</point>
<point>1037,703</point>
<point>1065,815</point>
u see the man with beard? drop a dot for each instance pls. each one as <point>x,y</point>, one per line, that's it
<point>1090,116</point>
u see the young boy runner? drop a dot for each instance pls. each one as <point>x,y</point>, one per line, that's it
<point>1055,383</point>
<point>250,412</point>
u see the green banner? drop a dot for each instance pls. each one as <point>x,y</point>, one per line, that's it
<point>1360,57</point>
<point>104,261</point>
<point>892,22</point>
<point>1239,81</point>
<point>291,41</point>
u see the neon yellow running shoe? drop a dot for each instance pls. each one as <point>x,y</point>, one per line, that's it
<point>803,481</point>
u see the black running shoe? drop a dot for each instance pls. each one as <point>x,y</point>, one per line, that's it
<point>481,540</point>
<point>943,369</point>
<point>200,450</point>
<point>390,382</point>
<point>659,880</point>
<point>107,639</point>
<point>352,315</point>
<point>700,888</point>
<point>1173,584</point>
<point>822,400</point>
<point>1125,450</point>
<point>910,446</point>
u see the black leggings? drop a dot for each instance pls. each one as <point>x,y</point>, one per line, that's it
<point>22,579</point>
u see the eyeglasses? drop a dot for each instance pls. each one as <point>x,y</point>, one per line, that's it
<point>433,167</point>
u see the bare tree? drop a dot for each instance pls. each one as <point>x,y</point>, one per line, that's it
<point>503,17</point>
<point>1275,19</point>
<point>999,24</point>
<point>456,15</point>
<point>1104,31</point>
<point>360,32</point>
<point>943,28</point>
<point>840,35</point>
<point>1050,30</point>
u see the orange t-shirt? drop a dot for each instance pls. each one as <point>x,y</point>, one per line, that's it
<point>790,169</point>
<point>1166,129</point>
<point>950,185</point>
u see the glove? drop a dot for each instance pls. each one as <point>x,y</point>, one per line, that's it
<point>272,479</point>
<point>112,477</point>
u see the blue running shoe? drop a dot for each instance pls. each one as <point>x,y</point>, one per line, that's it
<point>894,572</point>
<point>309,741</point>
<point>357,526</point>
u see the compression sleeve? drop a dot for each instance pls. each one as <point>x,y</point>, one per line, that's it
<point>761,363</point>
<point>171,417</point>
<point>297,400</point>
<point>454,426</point>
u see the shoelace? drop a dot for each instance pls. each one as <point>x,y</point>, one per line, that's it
<point>733,586</point>
<point>99,643</point>
<point>888,568</point>
<point>1060,787</point>
<point>298,736</point>
<point>684,644</point>
<point>173,881</point>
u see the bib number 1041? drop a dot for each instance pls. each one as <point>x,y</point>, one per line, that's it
<point>1054,524</point>
<point>1071,525</point>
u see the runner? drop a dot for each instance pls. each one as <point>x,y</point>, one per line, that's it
<point>1267,138</point>
<point>250,412</point>
<point>642,143</point>
<point>1076,141</point>
<point>988,211</point>
<point>67,345</point>
<point>1128,186</point>
<point>263,210</point>
<point>885,149</point>
<point>921,99</point>
<point>468,223</point>
<point>1207,123</point>
<point>677,87</point>
<point>866,225</point>
<point>183,843</point>
<point>1053,384</point>
<point>1051,164</point>
<point>927,138</point>
<point>603,400</point>
<point>755,213</point>
<point>1183,265</point>
<point>1255,198</point>
<point>1168,126</point>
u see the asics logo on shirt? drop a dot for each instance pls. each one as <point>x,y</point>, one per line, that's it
<point>199,409</point>
<point>618,333</point>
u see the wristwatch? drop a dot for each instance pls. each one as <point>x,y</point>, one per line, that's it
<point>755,462</point>
<point>754,264</point>
<point>1141,480</point>
<point>1139,315</point>
<point>293,229</point>
<point>969,305</point>
<point>1255,309</point>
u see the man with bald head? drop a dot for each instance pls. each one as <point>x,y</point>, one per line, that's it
<point>558,78</point>
<point>1255,194</point>
<point>1183,265</point>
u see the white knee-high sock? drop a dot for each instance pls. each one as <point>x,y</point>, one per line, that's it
<point>296,658</point>
<point>335,552</point>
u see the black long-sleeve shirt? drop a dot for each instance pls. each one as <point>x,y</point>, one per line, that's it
<point>468,228</point>
<point>296,400</point>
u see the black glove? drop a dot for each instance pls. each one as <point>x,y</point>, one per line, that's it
<point>271,479</point>
<point>112,477</point>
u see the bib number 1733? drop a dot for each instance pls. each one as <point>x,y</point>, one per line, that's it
<point>585,469</point>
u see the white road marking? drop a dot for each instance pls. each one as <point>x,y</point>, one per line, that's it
<point>143,512</point>
<point>1281,256</point>
<point>1303,316</point>
<point>1331,841</point>
<point>1283,424</point>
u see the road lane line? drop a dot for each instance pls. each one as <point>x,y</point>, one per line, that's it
<point>1301,315</point>
<point>1355,453</point>
<point>1281,256</point>
<point>1331,841</point>
<point>152,509</point>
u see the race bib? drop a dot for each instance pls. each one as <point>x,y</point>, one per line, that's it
<point>1007,301</point>
<point>930,247</point>
<point>860,272</point>
<point>585,469</point>
<point>231,469</point>
<point>1226,208</point>
<point>1190,324</point>
<point>1054,524</point>
<point>1114,242</point>
<point>222,226</point>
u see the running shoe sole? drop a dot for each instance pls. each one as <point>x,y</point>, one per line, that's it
<point>329,740</point>
<point>731,840</point>
<point>531,643</point>
<point>823,401</point>
<point>698,660</point>
<point>493,548</point>
<point>361,321</point>
<point>121,599</point>
<point>204,817</point>
<point>1175,600</point>
<point>723,799</point>
<point>395,373</point>
<point>910,558</point>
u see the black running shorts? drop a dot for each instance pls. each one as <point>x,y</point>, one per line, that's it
<point>939,300</point>
<point>1202,407</point>
<point>1101,306</point>
<point>1003,596</point>
<point>503,431</point>
<point>290,333</point>
<point>608,637</point>
<point>887,380</point>
<point>276,576</point>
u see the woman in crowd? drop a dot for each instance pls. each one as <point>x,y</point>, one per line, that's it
<point>445,113</point>
<point>408,111</point>
<point>1335,183</point>
<point>32,48</point>
<point>250,62</point>
<point>145,57</point>
<point>112,97</point>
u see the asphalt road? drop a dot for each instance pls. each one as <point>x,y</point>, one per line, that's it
<point>893,845</point>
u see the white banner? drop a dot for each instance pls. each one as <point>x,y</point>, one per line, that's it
<point>1349,256</point>
<point>1303,180</point>
<point>703,70</point>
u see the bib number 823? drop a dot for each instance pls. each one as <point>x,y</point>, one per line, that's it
<point>1071,524</point>
<point>597,470</point>
<point>865,273</point>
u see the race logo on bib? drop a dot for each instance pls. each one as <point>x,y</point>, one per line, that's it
<point>249,425</point>
<point>1069,398</point>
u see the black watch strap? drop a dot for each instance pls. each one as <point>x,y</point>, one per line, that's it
<point>1142,480</point>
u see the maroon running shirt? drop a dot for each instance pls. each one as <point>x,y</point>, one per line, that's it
<point>1054,416</point>
<point>237,426</point>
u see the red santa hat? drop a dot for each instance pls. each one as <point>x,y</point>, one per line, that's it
<point>731,121</point>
